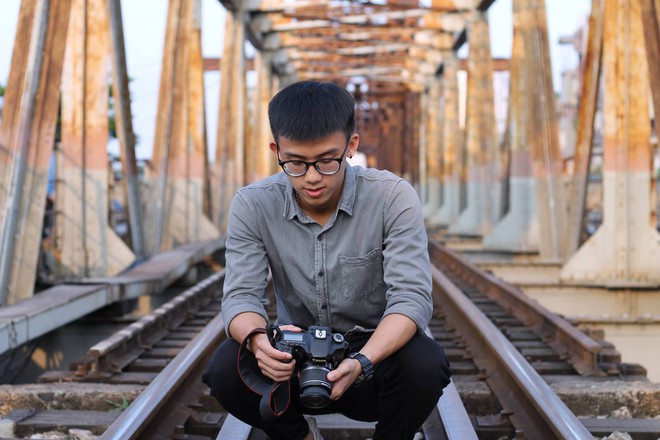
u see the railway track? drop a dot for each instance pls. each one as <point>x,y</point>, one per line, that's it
<point>495,338</point>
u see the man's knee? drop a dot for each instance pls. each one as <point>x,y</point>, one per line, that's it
<point>221,373</point>
<point>424,360</point>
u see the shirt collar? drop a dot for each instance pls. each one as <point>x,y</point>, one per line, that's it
<point>346,201</point>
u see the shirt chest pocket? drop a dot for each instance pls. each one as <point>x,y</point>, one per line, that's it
<point>361,276</point>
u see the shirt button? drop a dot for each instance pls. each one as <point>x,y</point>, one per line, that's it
<point>319,238</point>
<point>321,274</point>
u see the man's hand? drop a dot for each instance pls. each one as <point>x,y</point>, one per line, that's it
<point>343,376</point>
<point>273,363</point>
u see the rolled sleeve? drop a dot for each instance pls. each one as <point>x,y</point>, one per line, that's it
<point>406,263</point>
<point>246,275</point>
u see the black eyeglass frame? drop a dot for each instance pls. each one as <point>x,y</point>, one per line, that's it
<point>339,159</point>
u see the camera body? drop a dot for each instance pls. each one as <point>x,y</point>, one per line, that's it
<point>316,351</point>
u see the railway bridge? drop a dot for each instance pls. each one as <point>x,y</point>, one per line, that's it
<point>540,188</point>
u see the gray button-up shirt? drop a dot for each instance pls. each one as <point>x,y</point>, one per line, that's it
<point>369,260</point>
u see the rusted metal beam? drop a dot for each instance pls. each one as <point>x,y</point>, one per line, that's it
<point>543,133</point>
<point>156,176</point>
<point>262,155</point>
<point>651,24</point>
<point>230,147</point>
<point>585,131</point>
<point>27,136</point>
<point>451,160</point>
<point>124,123</point>
<point>189,220</point>
<point>212,64</point>
<point>270,22</point>
<point>85,244</point>
<point>433,146</point>
<point>625,249</point>
<point>282,6</point>
<point>178,177</point>
<point>537,217</point>
<point>499,64</point>
<point>478,217</point>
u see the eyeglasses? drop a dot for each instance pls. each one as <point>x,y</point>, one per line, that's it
<point>297,168</point>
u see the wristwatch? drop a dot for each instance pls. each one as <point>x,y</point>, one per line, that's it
<point>367,368</point>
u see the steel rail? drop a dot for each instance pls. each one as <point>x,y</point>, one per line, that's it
<point>109,355</point>
<point>454,418</point>
<point>531,405</point>
<point>169,391</point>
<point>581,351</point>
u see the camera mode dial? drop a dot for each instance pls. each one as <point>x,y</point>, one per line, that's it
<point>338,338</point>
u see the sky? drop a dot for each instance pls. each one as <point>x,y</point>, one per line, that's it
<point>144,28</point>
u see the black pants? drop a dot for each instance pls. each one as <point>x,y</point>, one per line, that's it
<point>404,391</point>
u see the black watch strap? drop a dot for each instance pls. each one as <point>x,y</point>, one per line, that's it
<point>367,367</point>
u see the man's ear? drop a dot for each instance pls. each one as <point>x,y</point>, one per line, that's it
<point>353,144</point>
<point>273,147</point>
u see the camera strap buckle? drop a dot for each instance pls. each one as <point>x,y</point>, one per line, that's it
<point>275,395</point>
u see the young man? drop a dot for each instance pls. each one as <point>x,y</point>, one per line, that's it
<point>347,249</point>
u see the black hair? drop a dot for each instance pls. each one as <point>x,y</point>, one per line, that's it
<point>309,110</point>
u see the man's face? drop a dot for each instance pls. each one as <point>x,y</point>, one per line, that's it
<point>317,193</point>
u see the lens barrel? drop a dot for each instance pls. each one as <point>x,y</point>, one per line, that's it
<point>315,387</point>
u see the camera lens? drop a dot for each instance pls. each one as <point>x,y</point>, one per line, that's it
<point>315,387</point>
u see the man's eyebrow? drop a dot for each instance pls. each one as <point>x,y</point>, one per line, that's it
<point>333,151</point>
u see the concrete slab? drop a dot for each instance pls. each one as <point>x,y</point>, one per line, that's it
<point>67,396</point>
<point>592,398</point>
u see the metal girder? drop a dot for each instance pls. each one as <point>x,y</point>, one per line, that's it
<point>308,31</point>
<point>281,6</point>
<point>27,137</point>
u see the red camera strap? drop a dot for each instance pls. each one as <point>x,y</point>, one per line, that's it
<point>276,396</point>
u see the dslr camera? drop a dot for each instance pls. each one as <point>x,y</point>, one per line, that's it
<point>316,352</point>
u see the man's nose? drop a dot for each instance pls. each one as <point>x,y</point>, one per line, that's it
<point>313,175</point>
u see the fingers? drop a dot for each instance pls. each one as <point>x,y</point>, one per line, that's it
<point>341,371</point>
<point>290,327</point>
<point>343,377</point>
<point>273,363</point>
<point>277,371</point>
<point>340,386</point>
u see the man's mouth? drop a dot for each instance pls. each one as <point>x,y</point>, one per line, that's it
<point>314,192</point>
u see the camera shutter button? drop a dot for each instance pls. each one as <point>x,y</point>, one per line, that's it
<point>338,338</point>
